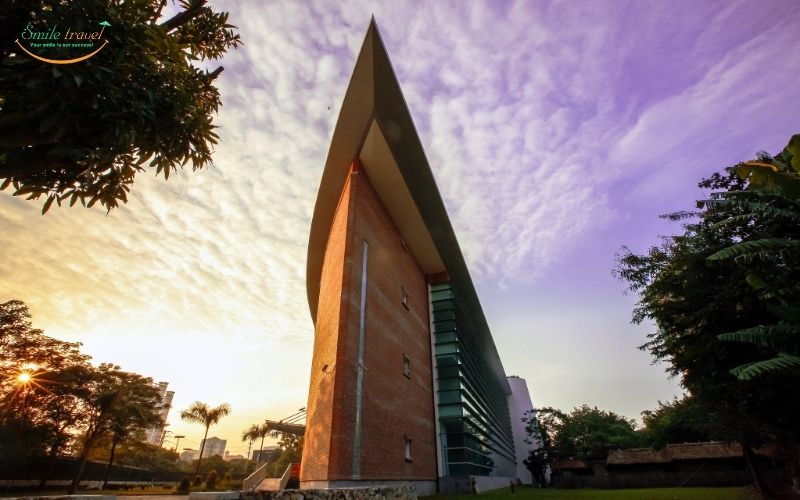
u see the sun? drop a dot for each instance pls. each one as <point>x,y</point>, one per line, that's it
<point>24,377</point>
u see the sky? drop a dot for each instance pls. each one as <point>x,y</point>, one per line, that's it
<point>557,132</point>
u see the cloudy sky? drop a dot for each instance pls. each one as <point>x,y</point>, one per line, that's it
<point>557,131</point>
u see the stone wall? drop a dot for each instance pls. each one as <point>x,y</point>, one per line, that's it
<point>398,492</point>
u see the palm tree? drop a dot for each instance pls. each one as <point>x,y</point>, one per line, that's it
<point>262,431</point>
<point>251,435</point>
<point>201,413</point>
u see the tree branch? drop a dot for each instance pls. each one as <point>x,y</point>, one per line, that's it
<point>18,137</point>
<point>26,163</point>
<point>214,74</point>
<point>160,8</point>
<point>184,17</point>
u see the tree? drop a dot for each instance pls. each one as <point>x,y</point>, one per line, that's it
<point>133,412</point>
<point>138,453</point>
<point>201,413</point>
<point>684,420</point>
<point>250,435</point>
<point>772,203</point>
<point>115,398</point>
<point>262,430</point>
<point>42,385</point>
<point>291,447</point>
<point>584,432</point>
<point>81,132</point>
<point>693,300</point>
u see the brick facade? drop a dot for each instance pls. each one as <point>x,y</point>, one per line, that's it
<point>396,406</point>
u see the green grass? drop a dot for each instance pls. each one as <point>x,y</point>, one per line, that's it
<point>528,493</point>
<point>133,491</point>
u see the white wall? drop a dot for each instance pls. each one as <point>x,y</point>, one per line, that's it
<point>519,402</point>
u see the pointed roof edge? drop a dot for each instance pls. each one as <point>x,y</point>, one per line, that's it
<point>374,94</point>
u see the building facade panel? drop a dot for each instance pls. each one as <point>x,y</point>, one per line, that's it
<point>397,420</point>
<point>323,424</point>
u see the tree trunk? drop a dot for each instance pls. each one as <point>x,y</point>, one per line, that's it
<point>48,468</point>
<point>114,442</point>
<point>751,468</point>
<point>793,455</point>
<point>261,450</point>
<point>200,458</point>
<point>73,487</point>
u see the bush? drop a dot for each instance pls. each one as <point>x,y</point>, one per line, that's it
<point>198,480</point>
<point>211,479</point>
<point>184,485</point>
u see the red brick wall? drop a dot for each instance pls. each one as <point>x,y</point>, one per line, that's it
<point>334,287</point>
<point>393,406</point>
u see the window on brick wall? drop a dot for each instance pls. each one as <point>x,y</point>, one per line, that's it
<point>406,366</point>
<point>407,448</point>
<point>405,296</point>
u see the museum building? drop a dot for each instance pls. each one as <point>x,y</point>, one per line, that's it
<point>406,382</point>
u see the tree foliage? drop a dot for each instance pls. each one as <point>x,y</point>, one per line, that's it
<point>52,397</point>
<point>684,420</point>
<point>116,403</point>
<point>138,453</point>
<point>39,416</point>
<point>81,132</point>
<point>291,451</point>
<point>583,432</point>
<point>201,413</point>
<point>713,292</point>
<point>771,257</point>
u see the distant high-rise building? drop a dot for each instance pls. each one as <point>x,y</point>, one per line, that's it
<point>268,454</point>
<point>213,446</point>
<point>228,457</point>
<point>155,434</point>
<point>188,455</point>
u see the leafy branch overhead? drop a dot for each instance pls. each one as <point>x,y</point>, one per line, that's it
<point>82,132</point>
<point>770,257</point>
<point>724,300</point>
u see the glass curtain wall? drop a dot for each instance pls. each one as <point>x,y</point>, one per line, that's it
<point>473,409</point>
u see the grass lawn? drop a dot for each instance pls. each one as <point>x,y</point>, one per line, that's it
<point>528,493</point>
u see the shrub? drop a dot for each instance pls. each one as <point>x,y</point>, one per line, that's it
<point>211,479</point>
<point>198,480</point>
<point>184,485</point>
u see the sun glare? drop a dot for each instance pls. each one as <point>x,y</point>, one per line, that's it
<point>24,377</point>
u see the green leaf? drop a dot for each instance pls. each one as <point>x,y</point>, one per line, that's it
<point>754,281</point>
<point>786,313</point>
<point>794,148</point>
<point>780,362</point>
<point>764,248</point>
<point>782,337</point>
<point>47,204</point>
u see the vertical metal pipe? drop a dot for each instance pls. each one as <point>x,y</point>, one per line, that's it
<point>362,320</point>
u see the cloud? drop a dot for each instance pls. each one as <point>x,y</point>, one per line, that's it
<point>532,114</point>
